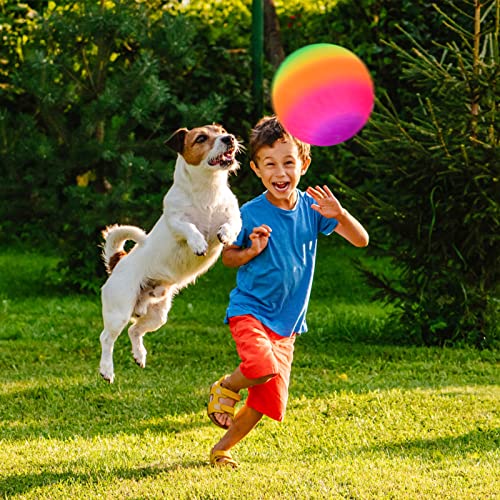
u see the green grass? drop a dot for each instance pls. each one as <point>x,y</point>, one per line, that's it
<point>366,418</point>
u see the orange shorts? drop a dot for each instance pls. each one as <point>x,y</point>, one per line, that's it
<point>262,353</point>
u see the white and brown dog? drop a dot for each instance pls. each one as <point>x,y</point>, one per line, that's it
<point>200,215</point>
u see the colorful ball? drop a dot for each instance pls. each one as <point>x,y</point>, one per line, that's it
<point>322,94</point>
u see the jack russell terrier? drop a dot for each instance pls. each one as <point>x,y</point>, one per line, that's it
<point>200,215</point>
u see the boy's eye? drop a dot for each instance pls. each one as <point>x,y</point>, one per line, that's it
<point>201,138</point>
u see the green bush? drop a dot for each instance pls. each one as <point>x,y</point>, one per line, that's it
<point>89,90</point>
<point>431,187</point>
<point>93,93</point>
<point>361,27</point>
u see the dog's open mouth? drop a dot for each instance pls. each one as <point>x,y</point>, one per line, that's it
<point>225,159</point>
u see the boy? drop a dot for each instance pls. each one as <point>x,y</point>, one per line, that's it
<point>275,253</point>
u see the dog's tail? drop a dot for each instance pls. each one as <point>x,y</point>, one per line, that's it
<point>114,241</point>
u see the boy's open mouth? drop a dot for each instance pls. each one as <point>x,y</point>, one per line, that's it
<point>281,186</point>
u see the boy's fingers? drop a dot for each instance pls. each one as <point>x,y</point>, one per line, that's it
<point>321,191</point>
<point>324,191</point>
<point>328,192</point>
<point>263,230</point>
<point>315,194</point>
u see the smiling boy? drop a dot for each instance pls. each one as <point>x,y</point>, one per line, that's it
<point>275,253</point>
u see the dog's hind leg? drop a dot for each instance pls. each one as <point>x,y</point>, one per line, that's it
<point>116,312</point>
<point>156,316</point>
<point>112,330</point>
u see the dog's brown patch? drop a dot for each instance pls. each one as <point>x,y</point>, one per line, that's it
<point>199,141</point>
<point>115,258</point>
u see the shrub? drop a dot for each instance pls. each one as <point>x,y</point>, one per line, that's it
<point>94,92</point>
<point>431,186</point>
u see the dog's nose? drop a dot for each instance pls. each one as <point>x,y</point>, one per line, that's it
<point>228,139</point>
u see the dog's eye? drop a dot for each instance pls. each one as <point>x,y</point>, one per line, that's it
<point>201,138</point>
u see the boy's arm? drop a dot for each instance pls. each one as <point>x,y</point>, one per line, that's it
<point>350,229</point>
<point>328,206</point>
<point>235,256</point>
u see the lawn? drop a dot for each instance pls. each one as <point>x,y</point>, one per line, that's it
<point>367,418</point>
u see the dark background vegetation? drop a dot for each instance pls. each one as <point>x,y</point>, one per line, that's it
<point>89,91</point>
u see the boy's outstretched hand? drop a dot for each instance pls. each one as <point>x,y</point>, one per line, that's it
<point>327,205</point>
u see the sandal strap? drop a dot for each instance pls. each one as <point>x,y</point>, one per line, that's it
<point>217,455</point>
<point>216,407</point>
<point>219,391</point>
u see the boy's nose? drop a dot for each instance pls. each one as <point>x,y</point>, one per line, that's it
<point>280,170</point>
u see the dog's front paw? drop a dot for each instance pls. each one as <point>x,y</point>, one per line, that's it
<point>226,235</point>
<point>198,245</point>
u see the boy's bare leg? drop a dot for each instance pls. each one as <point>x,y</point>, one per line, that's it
<point>236,382</point>
<point>246,419</point>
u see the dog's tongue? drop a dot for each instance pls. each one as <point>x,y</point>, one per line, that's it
<point>224,157</point>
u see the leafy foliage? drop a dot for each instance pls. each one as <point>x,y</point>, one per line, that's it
<point>89,91</point>
<point>432,183</point>
<point>96,89</point>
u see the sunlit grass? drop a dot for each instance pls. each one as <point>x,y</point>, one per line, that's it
<point>366,419</point>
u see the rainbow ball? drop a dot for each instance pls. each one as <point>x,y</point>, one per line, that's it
<point>322,94</point>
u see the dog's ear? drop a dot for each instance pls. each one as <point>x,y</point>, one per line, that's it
<point>176,140</point>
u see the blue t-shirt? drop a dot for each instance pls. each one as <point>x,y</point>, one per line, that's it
<point>275,286</point>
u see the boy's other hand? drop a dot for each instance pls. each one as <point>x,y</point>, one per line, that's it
<point>235,256</point>
<point>327,205</point>
<point>260,237</point>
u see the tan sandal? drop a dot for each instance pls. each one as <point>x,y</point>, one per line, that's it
<point>214,406</point>
<point>222,458</point>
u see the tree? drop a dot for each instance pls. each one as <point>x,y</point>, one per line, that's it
<point>272,36</point>
<point>92,93</point>
<point>432,183</point>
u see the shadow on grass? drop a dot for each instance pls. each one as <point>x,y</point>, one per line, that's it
<point>55,412</point>
<point>64,396</point>
<point>20,484</point>
<point>457,446</point>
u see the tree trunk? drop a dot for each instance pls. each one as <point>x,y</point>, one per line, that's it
<point>272,39</point>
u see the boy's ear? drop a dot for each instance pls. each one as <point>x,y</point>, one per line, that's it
<point>305,166</point>
<point>176,140</point>
<point>255,168</point>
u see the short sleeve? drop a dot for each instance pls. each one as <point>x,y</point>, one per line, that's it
<point>327,226</point>
<point>324,225</point>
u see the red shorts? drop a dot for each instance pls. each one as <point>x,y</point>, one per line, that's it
<point>262,353</point>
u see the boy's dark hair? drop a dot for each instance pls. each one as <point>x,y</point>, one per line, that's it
<point>269,130</point>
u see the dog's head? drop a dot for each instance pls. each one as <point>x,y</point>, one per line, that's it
<point>209,146</point>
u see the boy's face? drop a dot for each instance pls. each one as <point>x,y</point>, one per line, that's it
<point>279,167</point>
